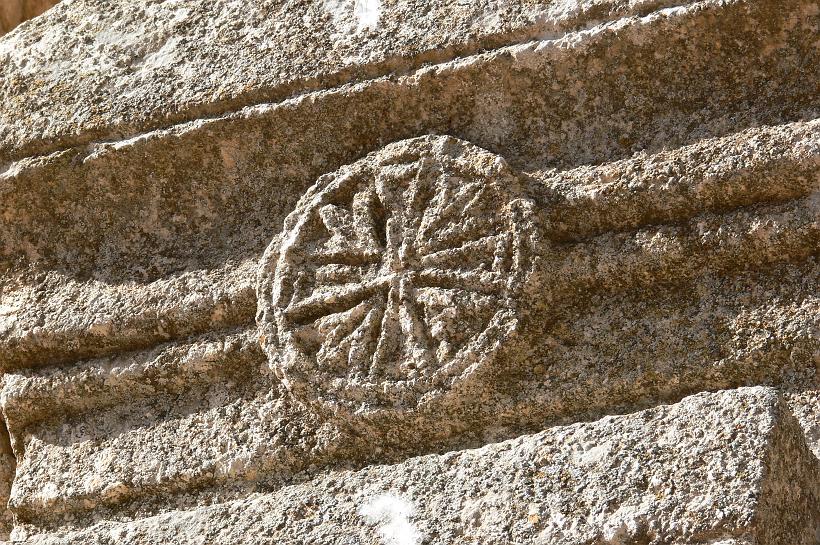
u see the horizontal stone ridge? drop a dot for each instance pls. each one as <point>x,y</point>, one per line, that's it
<point>54,67</point>
<point>752,238</point>
<point>725,467</point>
<point>95,385</point>
<point>218,422</point>
<point>202,442</point>
<point>764,165</point>
<point>63,320</point>
<point>49,204</point>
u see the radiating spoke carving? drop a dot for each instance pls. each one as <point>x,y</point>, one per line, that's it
<point>392,274</point>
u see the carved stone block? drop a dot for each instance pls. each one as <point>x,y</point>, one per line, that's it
<point>377,271</point>
<point>714,468</point>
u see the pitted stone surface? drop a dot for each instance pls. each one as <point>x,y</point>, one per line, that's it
<point>107,69</point>
<point>625,213</point>
<point>713,468</point>
<point>397,275</point>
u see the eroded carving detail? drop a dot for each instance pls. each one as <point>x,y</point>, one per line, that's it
<point>396,276</point>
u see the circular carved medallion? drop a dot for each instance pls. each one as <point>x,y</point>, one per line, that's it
<point>395,276</point>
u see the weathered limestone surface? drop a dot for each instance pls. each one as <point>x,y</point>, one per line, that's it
<point>278,271</point>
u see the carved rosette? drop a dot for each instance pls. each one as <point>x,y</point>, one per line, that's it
<point>396,277</point>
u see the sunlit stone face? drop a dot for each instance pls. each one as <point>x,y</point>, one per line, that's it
<point>396,275</point>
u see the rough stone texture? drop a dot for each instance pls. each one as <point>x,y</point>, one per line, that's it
<point>7,471</point>
<point>149,63</point>
<point>711,469</point>
<point>252,249</point>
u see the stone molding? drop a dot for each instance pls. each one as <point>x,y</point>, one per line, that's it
<point>234,280</point>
